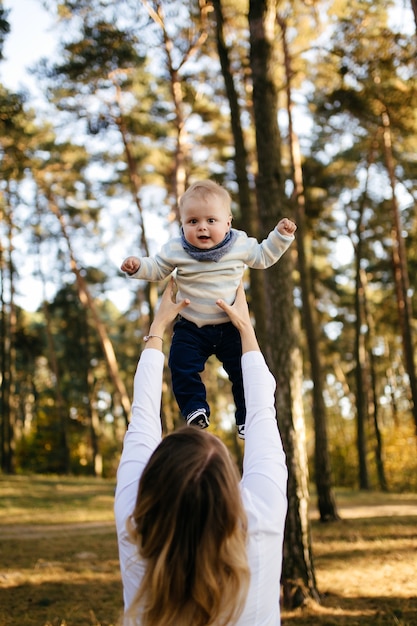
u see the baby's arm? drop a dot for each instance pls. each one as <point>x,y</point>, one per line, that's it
<point>130,265</point>
<point>157,267</point>
<point>286,227</point>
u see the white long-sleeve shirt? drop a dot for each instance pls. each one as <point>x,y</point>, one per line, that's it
<point>263,485</point>
<point>204,282</point>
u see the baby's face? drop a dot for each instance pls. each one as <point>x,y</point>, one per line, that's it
<point>205,221</point>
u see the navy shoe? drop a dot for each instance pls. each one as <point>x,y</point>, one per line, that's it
<point>198,418</point>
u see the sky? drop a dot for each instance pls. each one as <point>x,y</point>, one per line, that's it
<point>31,37</point>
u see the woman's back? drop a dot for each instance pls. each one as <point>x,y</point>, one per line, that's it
<point>194,529</point>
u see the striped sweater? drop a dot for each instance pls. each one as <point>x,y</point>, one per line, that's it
<point>204,282</point>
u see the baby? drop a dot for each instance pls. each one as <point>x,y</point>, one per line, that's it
<point>209,258</point>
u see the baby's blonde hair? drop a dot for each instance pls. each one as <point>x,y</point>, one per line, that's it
<point>190,528</point>
<point>203,189</point>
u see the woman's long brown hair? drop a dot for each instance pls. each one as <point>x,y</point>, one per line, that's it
<point>190,528</point>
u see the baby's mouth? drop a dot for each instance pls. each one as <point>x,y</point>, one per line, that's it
<point>204,238</point>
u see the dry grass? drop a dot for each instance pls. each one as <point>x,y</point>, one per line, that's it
<point>59,566</point>
<point>366,564</point>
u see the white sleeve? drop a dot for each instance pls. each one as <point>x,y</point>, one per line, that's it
<point>264,466</point>
<point>156,268</point>
<point>268,252</point>
<point>141,439</point>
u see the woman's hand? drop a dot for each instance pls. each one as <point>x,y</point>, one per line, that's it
<point>165,315</point>
<point>239,315</point>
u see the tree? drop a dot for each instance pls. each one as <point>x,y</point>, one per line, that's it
<point>400,269</point>
<point>414,7</point>
<point>54,185</point>
<point>282,350</point>
<point>367,105</point>
<point>322,474</point>
<point>248,211</point>
<point>15,144</point>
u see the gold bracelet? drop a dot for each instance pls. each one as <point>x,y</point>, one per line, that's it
<point>147,337</point>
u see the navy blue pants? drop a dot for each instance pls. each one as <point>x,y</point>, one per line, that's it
<point>190,348</point>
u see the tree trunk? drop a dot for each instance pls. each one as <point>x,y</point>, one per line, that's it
<point>8,358</point>
<point>362,391</point>
<point>3,368</point>
<point>379,461</point>
<point>135,185</point>
<point>95,427</point>
<point>179,178</point>
<point>249,216</point>
<point>414,7</point>
<point>88,302</point>
<point>281,351</point>
<point>322,474</point>
<point>59,400</point>
<point>401,272</point>
<point>366,399</point>
<point>175,83</point>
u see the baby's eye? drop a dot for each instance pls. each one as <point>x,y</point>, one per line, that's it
<point>211,220</point>
<point>193,221</point>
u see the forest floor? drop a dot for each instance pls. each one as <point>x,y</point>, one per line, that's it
<point>59,564</point>
<point>365,564</point>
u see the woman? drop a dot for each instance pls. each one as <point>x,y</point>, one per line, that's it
<point>197,545</point>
